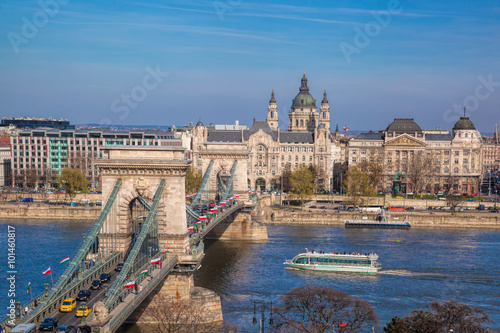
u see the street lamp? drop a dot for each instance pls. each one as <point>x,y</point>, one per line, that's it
<point>262,318</point>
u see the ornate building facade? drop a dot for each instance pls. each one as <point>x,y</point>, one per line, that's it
<point>308,141</point>
<point>491,151</point>
<point>454,158</point>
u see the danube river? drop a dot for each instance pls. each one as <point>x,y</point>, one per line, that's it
<point>419,266</point>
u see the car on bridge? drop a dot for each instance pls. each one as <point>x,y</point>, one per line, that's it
<point>66,329</point>
<point>104,277</point>
<point>83,311</point>
<point>48,324</point>
<point>96,284</point>
<point>68,305</point>
<point>119,266</point>
<point>83,295</point>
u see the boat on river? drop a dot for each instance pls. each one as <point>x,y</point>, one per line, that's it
<point>335,262</point>
<point>382,221</point>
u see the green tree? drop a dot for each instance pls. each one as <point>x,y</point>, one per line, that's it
<point>72,180</point>
<point>357,185</point>
<point>193,180</point>
<point>302,183</point>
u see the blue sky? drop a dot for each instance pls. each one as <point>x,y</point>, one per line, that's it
<point>83,58</point>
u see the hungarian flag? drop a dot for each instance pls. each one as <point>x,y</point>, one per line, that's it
<point>64,260</point>
<point>191,228</point>
<point>230,199</point>
<point>29,287</point>
<point>187,196</point>
<point>203,217</point>
<point>129,285</point>
<point>143,272</point>
<point>197,222</point>
<point>140,217</point>
<point>48,271</point>
<point>222,203</point>
<point>213,209</point>
<point>209,213</point>
<point>155,261</point>
<point>168,251</point>
<point>341,324</point>
<point>237,195</point>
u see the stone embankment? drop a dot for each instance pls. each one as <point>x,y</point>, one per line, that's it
<point>48,212</point>
<point>418,220</point>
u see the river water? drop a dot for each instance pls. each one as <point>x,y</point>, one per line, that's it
<point>418,266</point>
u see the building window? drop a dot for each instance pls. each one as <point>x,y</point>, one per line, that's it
<point>303,158</point>
<point>456,160</point>
<point>310,158</point>
<point>455,170</point>
<point>289,157</point>
<point>296,158</point>
<point>311,150</point>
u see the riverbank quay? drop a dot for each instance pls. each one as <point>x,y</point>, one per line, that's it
<point>48,212</point>
<point>441,220</point>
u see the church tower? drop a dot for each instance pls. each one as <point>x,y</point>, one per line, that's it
<point>324,113</point>
<point>272,113</point>
<point>303,116</point>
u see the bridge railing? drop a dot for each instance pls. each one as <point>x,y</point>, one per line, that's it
<point>138,298</point>
<point>71,289</point>
<point>196,237</point>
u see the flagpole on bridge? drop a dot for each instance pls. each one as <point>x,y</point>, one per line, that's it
<point>51,278</point>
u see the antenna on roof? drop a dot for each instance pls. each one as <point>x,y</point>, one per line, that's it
<point>464,110</point>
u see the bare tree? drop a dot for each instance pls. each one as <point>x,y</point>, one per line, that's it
<point>320,178</point>
<point>318,309</point>
<point>454,201</point>
<point>374,171</point>
<point>31,177</point>
<point>419,171</point>
<point>449,316</point>
<point>174,315</point>
<point>358,186</point>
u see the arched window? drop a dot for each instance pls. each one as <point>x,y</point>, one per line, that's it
<point>296,122</point>
<point>446,170</point>
<point>466,135</point>
<point>459,135</point>
<point>455,170</point>
<point>301,122</point>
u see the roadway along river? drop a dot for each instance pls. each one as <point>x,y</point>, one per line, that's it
<point>424,265</point>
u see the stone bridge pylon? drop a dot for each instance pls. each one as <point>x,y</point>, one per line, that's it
<point>141,171</point>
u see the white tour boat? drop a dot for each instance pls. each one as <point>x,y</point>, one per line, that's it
<point>335,262</point>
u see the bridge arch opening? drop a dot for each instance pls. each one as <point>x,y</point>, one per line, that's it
<point>222,182</point>
<point>260,184</point>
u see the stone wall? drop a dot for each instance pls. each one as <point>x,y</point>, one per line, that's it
<point>418,220</point>
<point>32,212</point>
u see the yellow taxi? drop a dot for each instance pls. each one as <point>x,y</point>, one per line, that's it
<point>83,311</point>
<point>68,305</point>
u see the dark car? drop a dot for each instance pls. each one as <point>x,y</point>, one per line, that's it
<point>104,277</point>
<point>96,284</point>
<point>83,295</point>
<point>48,324</point>
<point>119,266</point>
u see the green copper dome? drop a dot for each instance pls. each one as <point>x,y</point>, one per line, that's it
<point>304,99</point>
<point>464,124</point>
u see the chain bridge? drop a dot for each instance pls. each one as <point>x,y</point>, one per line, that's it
<point>147,216</point>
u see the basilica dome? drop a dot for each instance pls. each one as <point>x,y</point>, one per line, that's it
<point>304,99</point>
